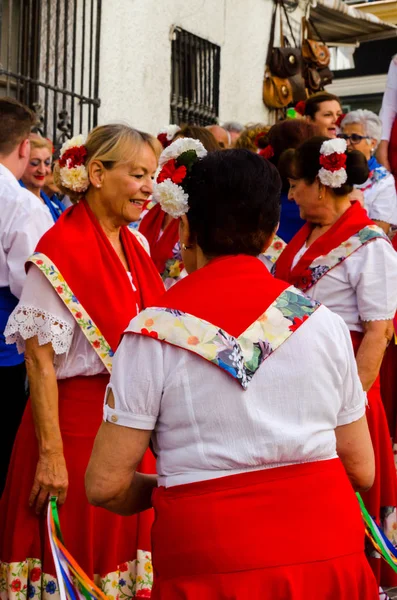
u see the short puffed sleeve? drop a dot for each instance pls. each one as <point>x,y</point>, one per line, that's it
<point>373,275</point>
<point>382,201</point>
<point>136,382</point>
<point>40,312</point>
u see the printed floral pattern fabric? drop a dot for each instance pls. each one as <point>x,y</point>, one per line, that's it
<point>174,268</point>
<point>240,357</point>
<point>321,265</point>
<point>275,249</point>
<point>26,581</point>
<point>87,326</point>
<point>375,176</point>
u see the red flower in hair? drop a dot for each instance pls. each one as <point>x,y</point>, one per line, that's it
<point>162,138</point>
<point>340,119</point>
<point>171,171</point>
<point>267,152</point>
<point>73,157</point>
<point>260,139</point>
<point>301,107</point>
<point>333,162</point>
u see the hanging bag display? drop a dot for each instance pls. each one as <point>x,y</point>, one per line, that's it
<point>313,51</point>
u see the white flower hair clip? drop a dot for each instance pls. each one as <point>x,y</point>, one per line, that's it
<point>333,163</point>
<point>166,134</point>
<point>72,171</point>
<point>174,164</point>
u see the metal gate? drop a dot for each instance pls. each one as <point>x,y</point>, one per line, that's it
<point>50,61</point>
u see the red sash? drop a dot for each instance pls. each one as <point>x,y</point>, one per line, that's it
<point>89,264</point>
<point>350,223</point>
<point>161,246</point>
<point>231,292</point>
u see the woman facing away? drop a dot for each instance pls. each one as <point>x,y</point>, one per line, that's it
<point>342,259</point>
<point>88,277</point>
<point>36,172</point>
<point>243,434</point>
<point>160,229</point>
<point>362,130</point>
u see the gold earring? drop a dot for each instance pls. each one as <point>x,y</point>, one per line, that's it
<point>320,197</point>
<point>184,247</point>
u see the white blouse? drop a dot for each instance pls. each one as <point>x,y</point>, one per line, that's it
<point>41,312</point>
<point>363,287</point>
<point>206,426</point>
<point>380,200</point>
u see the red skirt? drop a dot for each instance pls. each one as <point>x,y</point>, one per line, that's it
<point>381,499</point>
<point>113,550</point>
<point>290,533</point>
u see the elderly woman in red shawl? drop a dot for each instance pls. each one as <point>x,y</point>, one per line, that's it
<point>88,277</point>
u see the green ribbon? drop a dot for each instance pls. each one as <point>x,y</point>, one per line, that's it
<point>368,521</point>
<point>55,516</point>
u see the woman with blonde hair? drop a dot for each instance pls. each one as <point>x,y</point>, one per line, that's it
<point>37,171</point>
<point>89,276</point>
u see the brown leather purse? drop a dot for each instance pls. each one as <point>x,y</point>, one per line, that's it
<point>277,91</point>
<point>313,51</point>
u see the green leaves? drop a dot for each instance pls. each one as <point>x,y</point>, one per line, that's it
<point>187,159</point>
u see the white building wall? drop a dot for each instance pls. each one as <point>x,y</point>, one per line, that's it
<point>135,63</point>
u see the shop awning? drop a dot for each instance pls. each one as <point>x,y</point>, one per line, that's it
<point>340,23</point>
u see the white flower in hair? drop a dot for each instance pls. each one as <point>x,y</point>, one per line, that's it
<point>76,141</point>
<point>332,179</point>
<point>179,147</point>
<point>172,198</point>
<point>75,179</point>
<point>333,146</point>
<point>169,131</point>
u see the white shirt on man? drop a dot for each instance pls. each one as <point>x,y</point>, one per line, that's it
<point>23,221</point>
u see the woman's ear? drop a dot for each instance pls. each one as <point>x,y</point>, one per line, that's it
<point>96,173</point>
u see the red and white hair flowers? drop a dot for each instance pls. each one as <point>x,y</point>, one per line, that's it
<point>72,170</point>
<point>333,163</point>
<point>174,164</point>
<point>166,134</point>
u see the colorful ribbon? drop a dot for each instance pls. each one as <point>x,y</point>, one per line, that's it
<point>72,581</point>
<point>379,540</point>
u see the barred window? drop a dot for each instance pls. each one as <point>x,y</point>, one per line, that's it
<point>195,72</point>
<point>50,61</point>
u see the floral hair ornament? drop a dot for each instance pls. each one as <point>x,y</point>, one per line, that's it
<point>72,171</point>
<point>166,134</point>
<point>267,152</point>
<point>333,163</point>
<point>339,120</point>
<point>174,164</point>
<point>300,108</point>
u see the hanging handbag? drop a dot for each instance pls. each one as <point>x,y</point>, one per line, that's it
<point>277,91</point>
<point>313,51</point>
<point>317,79</point>
<point>283,61</point>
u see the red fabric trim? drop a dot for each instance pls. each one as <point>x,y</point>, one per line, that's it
<point>83,254</point>
<point>160,246</point>
<point>257,504</point>
<point>350,223</point>
<point>230,292</point>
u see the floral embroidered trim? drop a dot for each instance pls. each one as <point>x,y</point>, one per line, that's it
<point>86,324</point>
<point>240,357</point>
<point>28,321</point>
<point>26,581</point>
<point>321,265</point>
<point>375,176</point>
<point>275,249</point>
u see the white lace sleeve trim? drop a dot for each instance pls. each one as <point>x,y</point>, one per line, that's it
<point>28,321</point>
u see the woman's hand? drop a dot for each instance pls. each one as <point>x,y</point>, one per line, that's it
<point>51,479</point>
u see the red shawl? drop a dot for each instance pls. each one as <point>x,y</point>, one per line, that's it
<point>231,292</point>
<point>350,223</point>
<point>161,247</point>
<point>89,264</point>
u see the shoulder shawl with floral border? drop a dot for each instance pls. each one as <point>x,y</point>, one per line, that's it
<point>83,319</point>
<point>240,357</point>
<point>323,264</point>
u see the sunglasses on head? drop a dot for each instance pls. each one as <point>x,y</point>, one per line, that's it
<point>354,138</point>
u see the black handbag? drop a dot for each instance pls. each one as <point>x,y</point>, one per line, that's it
<point>283,61</point>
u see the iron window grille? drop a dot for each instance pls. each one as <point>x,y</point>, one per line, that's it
<point>50,61</point>
<point>195,73</point>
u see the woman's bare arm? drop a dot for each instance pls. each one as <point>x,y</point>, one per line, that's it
<point>377,335</point>
<point>51,476</point>
<point>354,448</point>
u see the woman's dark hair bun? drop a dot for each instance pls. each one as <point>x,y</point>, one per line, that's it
<point>356,168</point>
